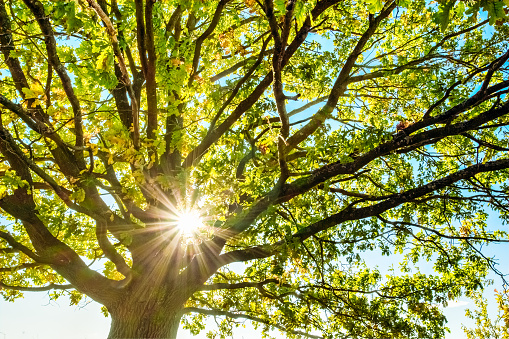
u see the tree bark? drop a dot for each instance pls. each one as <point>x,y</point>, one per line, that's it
<point>157,317</point>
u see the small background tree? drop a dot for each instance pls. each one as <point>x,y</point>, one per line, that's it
<point>171,140</point>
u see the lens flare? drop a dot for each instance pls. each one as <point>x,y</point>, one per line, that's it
<point>189,222</point>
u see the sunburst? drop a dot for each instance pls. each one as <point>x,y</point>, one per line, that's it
<point>189,222</point>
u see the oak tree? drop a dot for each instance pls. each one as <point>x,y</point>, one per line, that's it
<point>242,159</point>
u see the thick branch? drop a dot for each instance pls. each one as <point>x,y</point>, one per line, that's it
<point>398,199</point>
<point>20,247</point>
<point>280,45</point>
<point>109,250</point>
<point>20,157</point>
<point>225,286</point>
<point>150,75</point>
<point>140,34</point>
<point>401,140</point>
<point>350,213</point>
<point>170,25</point>
<point>7,46</point>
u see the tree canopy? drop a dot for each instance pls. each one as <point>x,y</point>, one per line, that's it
<point>242,159</point>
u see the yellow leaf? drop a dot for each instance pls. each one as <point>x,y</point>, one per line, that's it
<point>29,94</point>
<point>176,62</point>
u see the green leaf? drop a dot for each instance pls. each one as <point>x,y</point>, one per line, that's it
<point>280,6</point>
<point>442,17</point>
<point>374,6</point>
<point>78,195</point>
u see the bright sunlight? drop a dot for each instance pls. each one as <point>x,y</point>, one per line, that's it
<point>189,221</point>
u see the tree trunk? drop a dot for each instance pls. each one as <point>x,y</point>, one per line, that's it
<point>146,319</point>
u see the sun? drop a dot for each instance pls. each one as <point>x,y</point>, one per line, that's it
<point>189,222</point>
